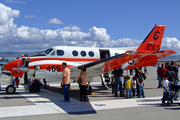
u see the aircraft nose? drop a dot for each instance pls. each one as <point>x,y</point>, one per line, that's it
<point>7,67</point>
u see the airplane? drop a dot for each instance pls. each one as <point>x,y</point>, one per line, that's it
<point>48,64</point>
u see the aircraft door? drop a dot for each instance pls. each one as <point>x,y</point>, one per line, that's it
<point>104,53</point>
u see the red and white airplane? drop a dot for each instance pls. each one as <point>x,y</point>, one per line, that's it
<point>48,65</point>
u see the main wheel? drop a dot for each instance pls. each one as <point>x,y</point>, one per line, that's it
<point>89,89</point>
<point>10,89</point>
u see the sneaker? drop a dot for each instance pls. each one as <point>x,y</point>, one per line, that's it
<point>163,102</point>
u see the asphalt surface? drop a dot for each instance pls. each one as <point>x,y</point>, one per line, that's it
<point>48,105</point>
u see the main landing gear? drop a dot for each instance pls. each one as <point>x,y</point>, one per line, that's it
<point>89,89</point>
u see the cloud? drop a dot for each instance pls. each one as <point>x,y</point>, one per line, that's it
<point>6,19</point>
<point>24,38</point>
<point>171,43</point>
<point>54,21</point>
<point>29,16</point>
<point>14,1</point>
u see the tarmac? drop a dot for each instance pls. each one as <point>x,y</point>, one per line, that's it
<point>48,105</point>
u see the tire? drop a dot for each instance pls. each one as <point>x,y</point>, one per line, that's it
<point>89,90</point>
<point>10,89</point>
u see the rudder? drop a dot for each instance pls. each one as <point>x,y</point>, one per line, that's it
<point>152,43</point>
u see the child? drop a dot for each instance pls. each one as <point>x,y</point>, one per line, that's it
<point>128,87</point>
<point>140,82</point>
<point>165,84</point>
<point>133,85</point>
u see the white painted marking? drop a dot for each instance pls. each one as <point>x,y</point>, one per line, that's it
<point>47,102</point>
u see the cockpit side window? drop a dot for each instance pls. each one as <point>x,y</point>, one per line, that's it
<point>53,53</point>
<point>60,52</point>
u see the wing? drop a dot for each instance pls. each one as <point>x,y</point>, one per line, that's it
<point>111,63</point>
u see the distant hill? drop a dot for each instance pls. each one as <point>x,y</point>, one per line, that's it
<point>17,54</point>
<point>172,57</point>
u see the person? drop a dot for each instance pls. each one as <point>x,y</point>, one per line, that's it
<point>137,70</point>
<point>158,66</point>
<point>161,72</point>
<point>176,70</point>
<point>118,80</point>
<point>83,85</point>
<point>140,81</point>
<point>65,81</point>
<point>167,64</point>
<point>145,70</point>
<point>112,82</point>
<point>128,87</point>
<point>171,74</point>
<point>35,87</point>
<point>133,85</point>
<point>165,84</point>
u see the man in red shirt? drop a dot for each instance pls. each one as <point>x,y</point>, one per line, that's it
<point>161,72</point>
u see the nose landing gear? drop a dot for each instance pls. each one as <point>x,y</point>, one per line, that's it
<point>10,89</point>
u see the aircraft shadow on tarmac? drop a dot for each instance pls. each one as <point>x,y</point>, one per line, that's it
<point>158,104</point>
<point>73,107</point>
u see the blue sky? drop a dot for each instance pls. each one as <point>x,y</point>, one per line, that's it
<point>30,25</point>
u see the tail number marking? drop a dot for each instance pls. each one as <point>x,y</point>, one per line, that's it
<point>54,68</point>
<point>152,47</point>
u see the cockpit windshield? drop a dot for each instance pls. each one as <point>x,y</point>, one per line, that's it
<point>48,51</point>
<point>44,53</point>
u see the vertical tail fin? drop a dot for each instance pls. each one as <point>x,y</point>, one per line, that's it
<point>152,43</point>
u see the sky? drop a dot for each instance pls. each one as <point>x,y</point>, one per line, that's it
<point>35,25</point>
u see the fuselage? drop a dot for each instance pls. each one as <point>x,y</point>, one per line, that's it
<point>47,65</point>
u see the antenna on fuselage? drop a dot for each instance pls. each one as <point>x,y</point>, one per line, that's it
<point>94,44</point>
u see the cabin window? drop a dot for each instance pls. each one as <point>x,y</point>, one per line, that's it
<point>83,53</point>
<point>91,54</point>
<point>53,53</point>
<point>116,54</point>
<point>75,53</point>
<point>60,52</point>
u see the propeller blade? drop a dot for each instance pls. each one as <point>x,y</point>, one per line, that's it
<point>26,78</point>
<point>23,59</point>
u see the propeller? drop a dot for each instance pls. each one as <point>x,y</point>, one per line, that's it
<point>25,68</point>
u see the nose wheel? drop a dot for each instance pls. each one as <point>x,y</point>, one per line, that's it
<point>10,89</point>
